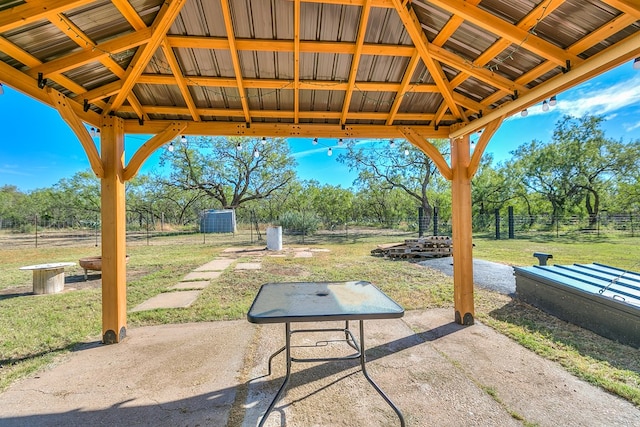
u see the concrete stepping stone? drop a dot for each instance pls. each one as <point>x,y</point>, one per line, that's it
<point>216,265</point>
<point>195,284</point>
<point>201,275</point>
<point>248,266</point>
<point>182,299</point>
<point>304,254</point>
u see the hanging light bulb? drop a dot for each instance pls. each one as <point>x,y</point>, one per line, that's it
<point>330,152</point>
<point>238,146</point>
<point>392,143</point>
<point>406,151</point>
<point>171,147</point>
<point>1,89</point>
<point>636,63</point>
<point>340,142</point>
<point>256,153</point>
<point>545,105</point>
<point>315,141</point>
<point>183,139</point>
<point>524,113</point>
<point>93,132</point>
<point>553,101</point>
<point>264,140</point>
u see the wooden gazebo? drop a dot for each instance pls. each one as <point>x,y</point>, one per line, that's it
<point>305,68</point>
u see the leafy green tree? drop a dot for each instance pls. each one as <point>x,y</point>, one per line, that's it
<point>396,166</point>
<point>233,170</point>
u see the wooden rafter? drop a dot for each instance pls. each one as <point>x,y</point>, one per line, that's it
<point>404,85</point>
<point>179,77</point>
<point>34,11</point>
<point>226,14</point>
<point>296,61</point>
<point>510,32</point>
<point>631,7</point>
<point>129,13</point>
<point>413,27</point>
<point>355,61</point>
<point>164,19</point>
<point>430,150</point>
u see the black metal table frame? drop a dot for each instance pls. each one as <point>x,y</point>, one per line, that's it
<point>350,339</point>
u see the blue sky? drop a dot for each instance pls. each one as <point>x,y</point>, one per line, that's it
<point>37,148</point>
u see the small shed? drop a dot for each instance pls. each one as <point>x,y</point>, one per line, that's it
<point>218,221</point>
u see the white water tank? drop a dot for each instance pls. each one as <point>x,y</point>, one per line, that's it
<point>274,238</point>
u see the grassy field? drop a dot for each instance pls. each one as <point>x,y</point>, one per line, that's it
<point>35,329</point>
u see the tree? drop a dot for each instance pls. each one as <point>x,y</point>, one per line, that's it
<point>578,165</point>
<point>233,170</point>
<point>396,166</point>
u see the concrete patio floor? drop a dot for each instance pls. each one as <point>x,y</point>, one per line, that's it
<point>438,373</point>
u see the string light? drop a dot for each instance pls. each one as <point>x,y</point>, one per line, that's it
<point>329,152</point>
<point>636,63</point>
<point>406,151</point>
<point>553,101</point>
<point>264,141</point>
<point>183,139</point>
<point>392,143</point>
<point>238,146</point>
<point>1,89</point>
<point>92,131</point>
<point>315,141</point>
<point>171,147</point>
<point>524,113</point>
<point>340,142</point>
<point>256,153</point>
<point>545,105</point>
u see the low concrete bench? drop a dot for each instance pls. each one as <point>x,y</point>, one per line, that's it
<point>542,257</point>
<point>48,278</point>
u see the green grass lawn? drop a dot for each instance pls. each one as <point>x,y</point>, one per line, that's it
<point>35,329</point>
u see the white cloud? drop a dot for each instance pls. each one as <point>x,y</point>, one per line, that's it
<point>629,128</point>
<point>600,99</point>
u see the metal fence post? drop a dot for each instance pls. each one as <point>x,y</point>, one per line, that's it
<point>511,223</point>
<point>497,215</point>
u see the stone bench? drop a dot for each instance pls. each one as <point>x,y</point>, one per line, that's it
<point>48,278</point>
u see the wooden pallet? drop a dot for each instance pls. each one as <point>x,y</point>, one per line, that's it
<point>423,247</point>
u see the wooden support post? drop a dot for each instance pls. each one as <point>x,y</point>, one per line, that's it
<point>114,279</point>
<point>461,232</point>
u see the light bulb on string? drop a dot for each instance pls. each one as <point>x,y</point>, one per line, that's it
<point>1,89</point>
<point>340,142</point>
<point>553,101</point>
<point>238,146</point>
<point>93,132</point>
<point>256,153</point>
<point>264,140</point>
<point>636,63</point>
<point>329,152</point>
<point>183,139</point>
<point>392,143</point>
<point>545,105</point>
<point>406,151</point>
<point>315,141</point>
<point>170,148</point>
<point>524,113</point>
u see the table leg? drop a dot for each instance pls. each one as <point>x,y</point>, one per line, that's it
<point>287,348</point>
<point>366,375</point>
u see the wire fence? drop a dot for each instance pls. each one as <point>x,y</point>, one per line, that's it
<point>251,229</point>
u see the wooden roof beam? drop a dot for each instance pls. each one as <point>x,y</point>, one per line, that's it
<point>167,14</point>
<point>430,150</point>
<point>143,153</point>
<point>296,60</point>
<point>483,141</point>
<point>180,80</point>
<point>226,14</point>
<point>414,29</point>
<point>497,26</point>
<point>34,11</point>
<point>129,13</point>
<point>404,86</point>
<point>355,61</point>
<point>630,7</point>
<point>617,54</point>
<point>302,130</point>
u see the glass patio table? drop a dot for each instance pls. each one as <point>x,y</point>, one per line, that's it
<point>320,302</point>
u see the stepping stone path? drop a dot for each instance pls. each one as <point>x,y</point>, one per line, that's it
<point>185,292</point>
